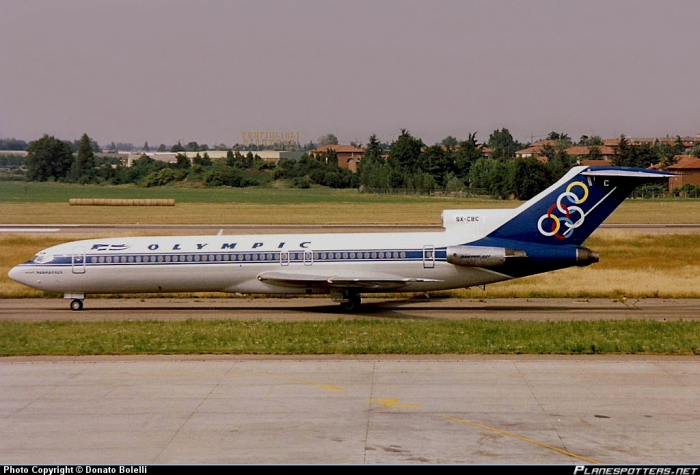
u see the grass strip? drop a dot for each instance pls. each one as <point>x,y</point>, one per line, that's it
<point>350,337</point>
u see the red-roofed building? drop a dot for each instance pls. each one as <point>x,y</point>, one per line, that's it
<point>595,163</point>
<point>348,156</point>
<point>581,153</point>
<point>687,171</point>
<point>536,149</point>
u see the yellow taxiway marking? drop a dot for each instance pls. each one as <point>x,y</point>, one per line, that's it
<point>510,434</point>
<point>392,403</point>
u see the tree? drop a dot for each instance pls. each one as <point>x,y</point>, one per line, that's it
<point>49,158</point>
<point>328,139</point>
<point>141,168</point>
<point>503,144</point>
<point>622,155</point>
<point>182,162</point>
<point>177,147</point>
<point>146,148</point>
<point>373,171</point>
<point>405,151</point>
<point>593,140</point>
<point>203,161</point>
<point>643,156</point>
<point>563,138</point>
<point>549,152</point>
<point>467,154</point>
<point>12,144</point>
<point>679,146</point>
<point>530,176</point>
<point>594,152</point>
<point>84,164</point>
<point>435,162</point>
<point>449,142</point>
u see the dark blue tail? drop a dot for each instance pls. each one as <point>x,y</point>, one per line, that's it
<point>569,211</point>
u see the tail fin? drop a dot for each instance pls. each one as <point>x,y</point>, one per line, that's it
<point>571,209</point>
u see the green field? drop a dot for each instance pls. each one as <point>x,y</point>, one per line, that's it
<point>21,192</point>
<point>352,337</point>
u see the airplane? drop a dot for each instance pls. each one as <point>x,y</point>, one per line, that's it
<point>476,247</point>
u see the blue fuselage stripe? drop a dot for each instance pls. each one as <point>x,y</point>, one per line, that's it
<point>247,257</point>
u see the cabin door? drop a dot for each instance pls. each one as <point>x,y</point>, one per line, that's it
<point>78,260</point>
<point>428,257</point>
<point>308,258</point>
<point>284,258</point>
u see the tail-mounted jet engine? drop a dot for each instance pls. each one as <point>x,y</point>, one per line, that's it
<point>481,256</point>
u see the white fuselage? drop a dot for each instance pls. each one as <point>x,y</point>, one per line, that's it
<point>235,263</point>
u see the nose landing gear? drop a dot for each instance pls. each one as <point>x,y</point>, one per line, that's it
<point>77,303</point>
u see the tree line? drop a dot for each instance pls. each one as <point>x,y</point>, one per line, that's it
<point>406,164</point>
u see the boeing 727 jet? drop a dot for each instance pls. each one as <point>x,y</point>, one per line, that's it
<point>477,247</point>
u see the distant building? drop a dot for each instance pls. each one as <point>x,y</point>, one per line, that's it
<point>687,172</point>
<point>688,142</point>
<point>582,153</point>
<point>595,163</point>
<point>537,150</point>
<point>272,156</point>
<point>348,156</point>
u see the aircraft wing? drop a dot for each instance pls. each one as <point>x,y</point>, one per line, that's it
<point>360,281</point>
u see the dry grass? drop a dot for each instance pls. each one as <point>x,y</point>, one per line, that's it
<point>233,213</point>
<point>656,212</point>
<point>15,250</point>
<point>632,265</point>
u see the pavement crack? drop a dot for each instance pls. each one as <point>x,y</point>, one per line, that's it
<point>369,411</point>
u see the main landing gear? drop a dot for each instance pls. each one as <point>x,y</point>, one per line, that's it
<point>349,300</point>
<point>352,303</point>
<point>77,303</point>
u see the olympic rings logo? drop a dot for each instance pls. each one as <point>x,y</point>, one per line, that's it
<point>565,221</point>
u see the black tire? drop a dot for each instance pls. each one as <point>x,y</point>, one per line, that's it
<point>76,305</point>
<point>353,304</point>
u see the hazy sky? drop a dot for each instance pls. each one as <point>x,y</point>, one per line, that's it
<point>209,70</point>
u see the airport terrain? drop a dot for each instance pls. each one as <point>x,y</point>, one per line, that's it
<point>372,408</point>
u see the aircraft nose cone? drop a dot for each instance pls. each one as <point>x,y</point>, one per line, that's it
<point>17,275</point>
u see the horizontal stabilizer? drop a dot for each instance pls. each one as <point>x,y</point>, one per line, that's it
<point>628,173</point>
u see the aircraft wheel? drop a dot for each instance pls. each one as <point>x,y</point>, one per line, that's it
<point>353,304</point>
<point>76,304</point>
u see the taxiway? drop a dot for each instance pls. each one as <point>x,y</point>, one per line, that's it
<point>354,410</point>
<point>305,308</point>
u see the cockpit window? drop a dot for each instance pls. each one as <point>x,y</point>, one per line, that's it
<point>42,258</point>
